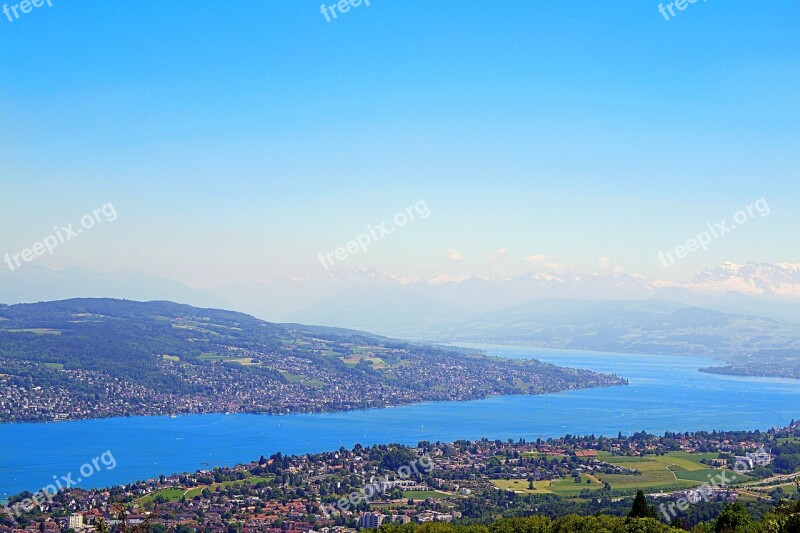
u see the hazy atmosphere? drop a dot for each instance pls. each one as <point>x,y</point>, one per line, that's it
<point>399,267</point>
<point>541,137</point>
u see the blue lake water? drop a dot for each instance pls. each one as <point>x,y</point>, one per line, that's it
<point>665,394</point>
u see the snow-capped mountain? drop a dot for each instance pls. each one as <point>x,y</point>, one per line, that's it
<point>376,300</point>
<point>395,304</point>
<point>781,280</point>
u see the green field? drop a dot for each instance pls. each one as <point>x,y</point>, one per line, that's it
<point>245,361</point>
<point>208,356</point>
<point>675,470</point>
<point>689,461</point>
<point>172,495</point>
<point>56,366</point>
<point>376,362</point>
<point>300,378</point>
<point>706,474</point>
<point>561,487</point>
<point>176,494</point>
<point>424,494</point>
<point>517,485</point>
<point>292,378</point>
<point>788,487</point>
<point>195,328</point>
<point>196,491</point>
<point>38,331</point>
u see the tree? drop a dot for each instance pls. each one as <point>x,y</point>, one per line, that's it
<point>679,523</point>
<point>124,526</point>
<point>733,518</point>
<point>642,509</point>
<point>101,526</point>
<point>531,524</point>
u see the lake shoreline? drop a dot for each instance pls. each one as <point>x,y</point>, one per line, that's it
<point>664,394</point>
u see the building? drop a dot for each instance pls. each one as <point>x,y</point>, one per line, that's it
<point>76,521</point>
<point>406,484</point>
<point>760,457</point>
<point>370,521</point>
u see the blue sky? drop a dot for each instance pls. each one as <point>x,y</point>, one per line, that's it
<point>237,141</point>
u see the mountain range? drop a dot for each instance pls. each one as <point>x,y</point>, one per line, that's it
<point>729,312</point>
<point>387,303</point>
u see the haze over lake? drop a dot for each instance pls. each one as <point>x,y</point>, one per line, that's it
<point>666,393</point>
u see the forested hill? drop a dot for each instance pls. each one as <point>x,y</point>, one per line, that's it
<point>85,358</point>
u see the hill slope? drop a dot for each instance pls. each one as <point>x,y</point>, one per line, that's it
<point>88,358</point>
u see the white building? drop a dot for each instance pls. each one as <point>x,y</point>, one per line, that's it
<point>76,521</point>
<point>370,521</point>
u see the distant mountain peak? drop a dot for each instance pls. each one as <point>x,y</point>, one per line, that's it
<point>789,266</point>
<point>752,278</point>
<point>373,299</point>
<point>459,278</point>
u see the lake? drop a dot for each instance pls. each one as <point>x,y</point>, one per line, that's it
<point>666,393</point>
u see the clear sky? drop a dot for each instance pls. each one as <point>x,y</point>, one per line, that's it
<point>237,140</point>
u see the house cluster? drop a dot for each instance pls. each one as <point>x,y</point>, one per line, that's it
<point>277,381</point>
<point>301,493</point>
